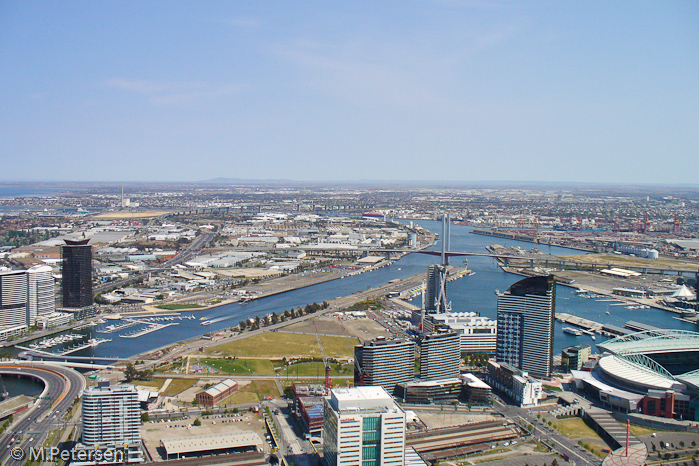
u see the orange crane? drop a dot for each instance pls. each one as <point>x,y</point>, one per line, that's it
<point>328,382</point>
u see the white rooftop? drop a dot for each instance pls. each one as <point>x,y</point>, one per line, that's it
<point>362,398</point>
<point>632,373</point>
<point>211,442</point>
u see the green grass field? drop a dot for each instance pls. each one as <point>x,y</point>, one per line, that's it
<point>178,307</point>
<point>317,369</point>
<point>279,345</point>
<point>241,366</point>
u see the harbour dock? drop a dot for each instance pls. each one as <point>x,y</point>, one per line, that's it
<point>585,324</point>
<point>151,328</point>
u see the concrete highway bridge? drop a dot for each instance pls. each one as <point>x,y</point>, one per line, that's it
<point>533,260</point>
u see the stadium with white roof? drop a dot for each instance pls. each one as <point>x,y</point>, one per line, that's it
<point>655,372</point>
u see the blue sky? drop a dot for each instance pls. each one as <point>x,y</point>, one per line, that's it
<point>322,91</point>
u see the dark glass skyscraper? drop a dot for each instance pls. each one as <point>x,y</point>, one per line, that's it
<point>526,313</point>
<point>76,284</point>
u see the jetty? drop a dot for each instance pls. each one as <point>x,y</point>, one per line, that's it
<point>151,328</point>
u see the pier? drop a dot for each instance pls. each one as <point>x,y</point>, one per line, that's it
<point>116,328</point>
<point>585,324</point>
<point>151,328</point>
<point>89,344</point>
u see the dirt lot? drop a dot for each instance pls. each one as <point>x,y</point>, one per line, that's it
<point>448,417</point>
<point>364,329</point>
<point>152,432</point>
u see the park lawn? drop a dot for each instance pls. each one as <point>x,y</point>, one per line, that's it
<point>596,449</point>
<point>310,369</point>
<point>241,366</point>
<point>177,386</point>
<point>177,307</point>
<point>575,428</point>
<point>279,345</point>
<point>639,430</point>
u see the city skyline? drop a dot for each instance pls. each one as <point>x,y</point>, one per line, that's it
<point>446,91</point>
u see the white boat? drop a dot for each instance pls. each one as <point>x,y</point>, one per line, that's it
<point>207,322</point>
<point>572,331</point>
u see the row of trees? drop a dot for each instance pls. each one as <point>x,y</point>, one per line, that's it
<point>476,359</point>
<point>275,318</point>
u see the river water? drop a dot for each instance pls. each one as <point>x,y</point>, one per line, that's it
<point>473,293</point>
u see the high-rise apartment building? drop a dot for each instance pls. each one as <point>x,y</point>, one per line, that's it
<point>13,298</point>
<point>112,418</point>
<point>436,288</point>
<point>41,296</point>
<point>363,426</point>
<point>526,313</point>
<point>76,284</point>
<point>384,362</point>
<point>440,356</point>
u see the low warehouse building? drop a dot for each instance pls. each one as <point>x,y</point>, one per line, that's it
<point>218,392</point>
<point>219,443</point>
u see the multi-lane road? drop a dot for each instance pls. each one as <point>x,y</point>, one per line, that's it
<point>552,437</point>
<point>61,387</point>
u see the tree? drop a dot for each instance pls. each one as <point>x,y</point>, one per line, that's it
<point>242,324</point>
<point>196,422</point>
<point>130,373</point>
<point>144,417</point>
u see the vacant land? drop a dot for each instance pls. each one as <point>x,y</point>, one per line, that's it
<point>280,345</point>
<point>177,386</point>
<point>364,329</point>
<point>252,392</point>
<point>628,261</point>
<point>152,385</point>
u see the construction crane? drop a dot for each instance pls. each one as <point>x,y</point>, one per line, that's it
<point>328,382</point>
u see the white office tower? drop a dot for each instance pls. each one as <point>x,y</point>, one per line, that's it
<point>440,356</point>
<point>41,299</point>
<point>526,314</point>
<point>13,299</point>
<point>112,419</point>
<point>363,426</point>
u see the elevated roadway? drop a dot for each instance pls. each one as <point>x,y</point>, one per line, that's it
<point>61,387</point>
